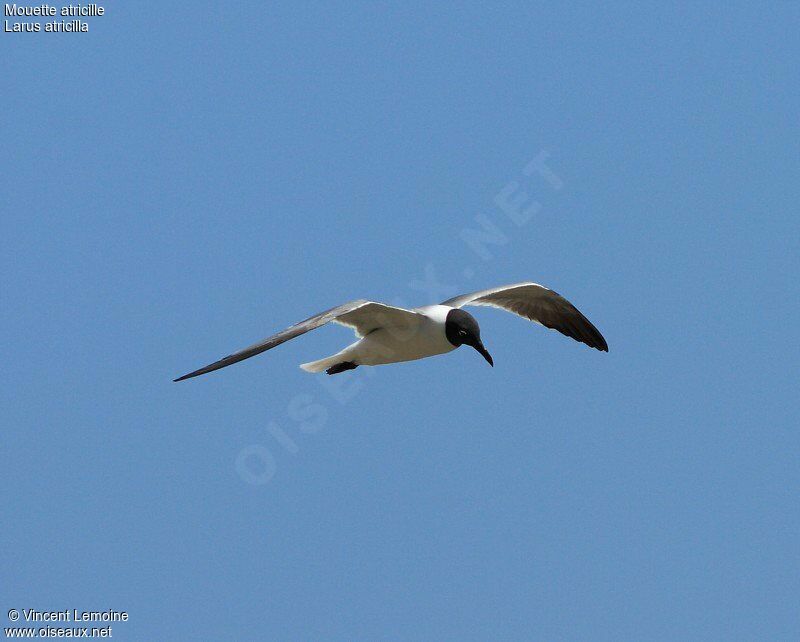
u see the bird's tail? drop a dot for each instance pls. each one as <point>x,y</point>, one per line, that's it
<point>322,364</point>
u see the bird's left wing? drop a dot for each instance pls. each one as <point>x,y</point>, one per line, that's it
<point>539,304</point>
<point>362,315</point>
<point>371,316</point>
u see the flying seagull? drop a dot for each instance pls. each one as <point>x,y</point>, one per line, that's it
<point>388,334</point>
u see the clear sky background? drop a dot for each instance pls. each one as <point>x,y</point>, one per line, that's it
<point>188,178</point>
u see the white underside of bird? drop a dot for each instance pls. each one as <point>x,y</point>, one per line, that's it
<point>420,336</point>
<point>390,334</point>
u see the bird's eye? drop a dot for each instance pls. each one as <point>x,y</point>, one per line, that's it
<point>462,333</point>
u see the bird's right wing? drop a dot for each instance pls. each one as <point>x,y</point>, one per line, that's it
<point>539,304</point>
<point>362,315</point>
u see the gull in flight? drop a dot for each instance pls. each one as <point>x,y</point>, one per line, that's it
<point>389,334</point>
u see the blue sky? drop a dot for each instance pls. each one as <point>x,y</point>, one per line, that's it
<point>182,181</point>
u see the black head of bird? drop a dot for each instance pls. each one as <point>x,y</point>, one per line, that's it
<point>461,328</point>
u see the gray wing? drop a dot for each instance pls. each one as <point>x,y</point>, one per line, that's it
<point>361,315</point>
<point>539,304</point>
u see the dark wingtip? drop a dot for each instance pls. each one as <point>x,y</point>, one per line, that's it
<point>196,373</point>
<point>596,340</point>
